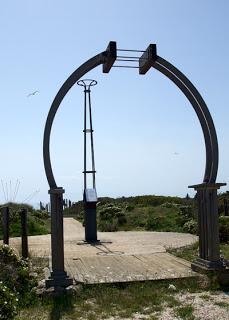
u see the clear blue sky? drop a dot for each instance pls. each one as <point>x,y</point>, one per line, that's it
<point>139,121</point>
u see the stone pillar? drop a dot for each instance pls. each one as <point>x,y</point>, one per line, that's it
<point>5,224</point>
<point>208,226</point>
<point>58,276</point>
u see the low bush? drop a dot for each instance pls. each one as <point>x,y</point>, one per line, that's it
<point>37,220</point>
<point>110,217</point>
<point>36,226</point>
<point>191,226</point>
<point>8,303</point>
<point>107,226</point>
<point>154,223</point>
<point>129,208</point>
<point>169,205</point>
<point>40,214</point>
<point>16,283</point>
<point>153,213</point>
<point>224,228</point>
<point>15,273</point>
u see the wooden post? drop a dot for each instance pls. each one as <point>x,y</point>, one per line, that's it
<point>5,224</point>
<point>24,236</point>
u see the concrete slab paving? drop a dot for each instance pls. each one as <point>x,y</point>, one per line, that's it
<point>123,242</point>
<point>118,257</point>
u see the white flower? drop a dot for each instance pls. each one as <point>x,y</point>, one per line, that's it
<point>172,287</point>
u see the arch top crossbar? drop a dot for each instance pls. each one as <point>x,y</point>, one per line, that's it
<point>148,59</point>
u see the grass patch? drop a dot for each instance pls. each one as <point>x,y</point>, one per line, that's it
<point>38,265</point>
<point>224,247</point>
<point>153,219</point>
<point>205,297</point>
<point>222,304</point>
<point>185,312</point>
<point>189,253</point>
<point>95,302</point>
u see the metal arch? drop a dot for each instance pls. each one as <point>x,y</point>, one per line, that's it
<point>73,78</point>
<point>202,112</point>
<point>175,76</point>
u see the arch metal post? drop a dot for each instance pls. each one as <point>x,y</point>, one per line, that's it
<point>208,227</point>
<point>58,276</point>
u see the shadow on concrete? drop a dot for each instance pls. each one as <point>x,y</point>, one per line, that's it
<point>101,246</point>
<point>104,251</point>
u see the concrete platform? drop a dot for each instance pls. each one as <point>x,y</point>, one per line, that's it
<point>119,257</point>
<point>127,268</point>
<point>123,242</point>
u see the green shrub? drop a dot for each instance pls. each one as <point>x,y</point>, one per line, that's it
<point>109,211</point>
<point>185,214</point>
<point>8,303</point>
<point>7,255</point>
<point>110,216</point>
<point>37,220</point>
<point>107,226</point>
<point>122,219</point>
<point>40,214</point>
<point>224,228</point>
<point>15,274</point>
<point>169,205</point>
<point>129,208</point>
<point>191,226</point>
<point>154,222</point>
<point>36,227</point>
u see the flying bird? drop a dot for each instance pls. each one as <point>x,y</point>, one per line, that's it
<point>32,93</point>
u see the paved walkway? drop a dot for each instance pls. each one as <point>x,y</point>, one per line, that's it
<point>121,256</point>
